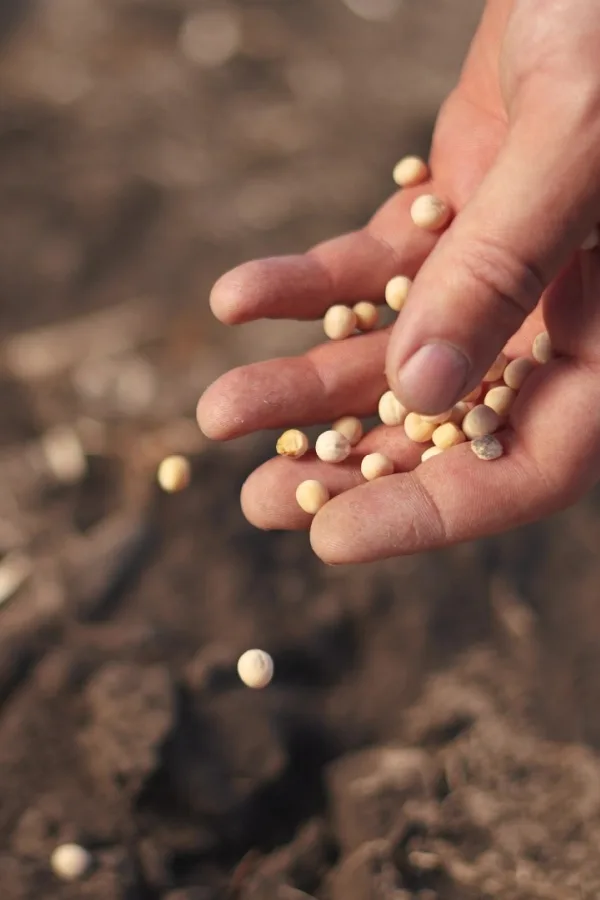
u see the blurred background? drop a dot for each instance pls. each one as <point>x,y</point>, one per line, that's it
<point>410,744</point>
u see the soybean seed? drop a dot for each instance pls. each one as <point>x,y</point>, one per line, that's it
<point>339,322</point>
<point>487,447</point>
<point>496,369</point>
<point>542,348</point>
<point>481,420</point>
<point>391,411</point>
<point>410,171</point>
<point>396,292</point>
<point>292,443</point>
<point>500,399</point>
<point>517,371</point>
<point>174,474</point>
<point>430,453</point>
<point>70,862</point>
<point>447,435</point>
<point>332,447</point>
<point>418,430</point>
<point>439,419</point>
<point>350,427</point>
<point>366,314</point>
<point>429,212</point>
<point>311,496</point>
<point>255,668</point>
<point>376,465</point>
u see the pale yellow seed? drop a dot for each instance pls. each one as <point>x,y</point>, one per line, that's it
<point>70,862</point>
<point>496,369</point>
<point>410,171</point>
<point>292,443</point>
<point>473,395</point>
<point>460,411</point>
<point>487,447</point>
<point>500,399</point>
<point>418,430</point>
<point>592,240</point>
<point>391,411</point>
<point>542,348</point>
<point>429,212</point>
<point>396,292</point>
<point>430,453</point>
<point>517,371</point>
<point>174,474</point>
<point>376,465</point>
<point>255,668</point>
<point>332,447</point>
<point>350,427</point>
<point>439,419</point>
<point>447,435</point>
<point>367,315</point>
<point>481,420</point>
<point>339,322</point>
<point>311,495</point>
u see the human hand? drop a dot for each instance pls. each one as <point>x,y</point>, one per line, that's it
<point>516,153</point>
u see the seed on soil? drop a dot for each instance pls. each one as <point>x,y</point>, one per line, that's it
<point>174,474</point>
<point>592,240</point>
<point>495,371</point>
<point>418,430</point>
<point>339,322</point>
<point>409,171</point>
<point>396,292</point>
<point>376,465</point>
<point>487,447</point>
<point>292,443</point>
<point>500,399</point>
<point>367,315</point>
<point>517,371</point>
<point>332,447</point>
<point>481,420</point>
<point>429,212</point>
<point>255,668</point>
<point>447,435</point>
<point>70,862</point>
<point>311,496</point>
<point>391,411</point>
<point>542,348</point>
<point>430,453</point>
<point>459,411</point>
<point>350,427</point>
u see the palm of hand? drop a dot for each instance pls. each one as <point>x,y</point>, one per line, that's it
<point>454,497</point>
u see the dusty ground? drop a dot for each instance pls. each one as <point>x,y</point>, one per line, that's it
<point>409,746</point>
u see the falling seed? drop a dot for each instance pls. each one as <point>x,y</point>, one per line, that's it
<point>174,474</point>
<point>255,668</point>
<point>70,862</point>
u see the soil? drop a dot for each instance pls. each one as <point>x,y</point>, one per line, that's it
<point>432,728</point>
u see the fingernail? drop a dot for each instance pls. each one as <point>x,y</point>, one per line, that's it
<point>433,378</point>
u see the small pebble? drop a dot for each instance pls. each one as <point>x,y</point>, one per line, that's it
<point>311,496</point>
<point>376,465</point>
<point>496,369</point>
<point>396,292</point>
<point>367,315</point>
<point>500,399</point>
<point>447,435</point>
<point>418,430</point>
<point>174,474</point>
<point>592,240</point>
<point>339,322</point>
<point>70,862</point>
<point>429,212</point>
<point>410,171</point>
<point>542,348</point>
<point>292,443</point>
<point>255,668</point>
<point>487,447</point>
<point>517,371</point>
<point>481,420</point>
<point>430,453</point>
<point>391,411</point>
<point>350,427</point>
<point>332,447</point>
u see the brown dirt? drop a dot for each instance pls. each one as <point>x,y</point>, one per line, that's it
<point>425,735</point>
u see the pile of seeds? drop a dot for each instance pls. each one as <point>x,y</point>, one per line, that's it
<point>476,418</point>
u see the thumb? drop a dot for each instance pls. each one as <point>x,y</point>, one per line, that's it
<point>488,271</point>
